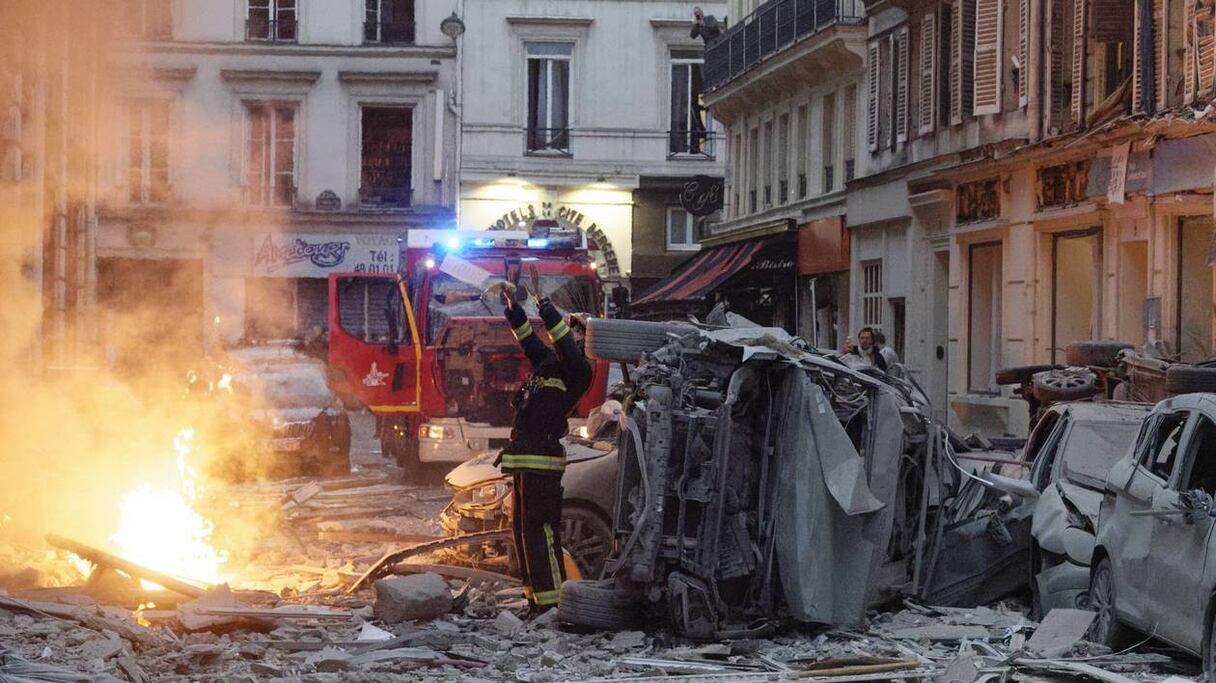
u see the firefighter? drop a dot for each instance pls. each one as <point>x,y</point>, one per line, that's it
<point>534,456</point>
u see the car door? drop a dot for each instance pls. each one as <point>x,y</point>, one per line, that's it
<point>1180,540</point>
<point>374,349</point>
<point>1128,533</point>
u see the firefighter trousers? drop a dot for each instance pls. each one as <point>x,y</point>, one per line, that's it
<point>536,523</point>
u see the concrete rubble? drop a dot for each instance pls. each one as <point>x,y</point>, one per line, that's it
<point>293,620</point>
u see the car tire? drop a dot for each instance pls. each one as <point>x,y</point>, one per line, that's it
<point>1190,379</point>
<point>1064,385</point>
<point>1095,354</point>
<point>624,341</point>
<point>597,605</point>
<point>1106,629</point>
<point>587,536</point>
<point>1021,374</point>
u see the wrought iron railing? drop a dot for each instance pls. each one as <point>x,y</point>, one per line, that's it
<point>691,143</point>
<point>273,30</point>
<point>774,26</point>
<point>386,197</point>
<point>388,32</point>
<point>549,140</point>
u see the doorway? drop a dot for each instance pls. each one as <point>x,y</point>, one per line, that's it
<point>1133,290</point>
<point>939,382</point>
<point>1195,319</point>
<point>984,317</point>
<point>1076,277</point>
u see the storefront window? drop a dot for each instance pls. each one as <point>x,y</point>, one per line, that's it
<point>984,317</point>
<point>680,230</point>
<point>1195,288</point>
<point>1077,281</point>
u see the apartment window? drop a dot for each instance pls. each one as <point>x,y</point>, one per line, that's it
<point>549,97</point>
<point>273,20</point>
<point>388,21</point>
<point>768,164</point>
<point>148,151</point>
<point>150,19</point>
<point>688,133</point>
<point>804,147</point>
<point>783,159</point>
<point>871,294</point>
<point>270,155</point>
<point>681,230</point>
<point>753,171</point>
<point>984,317</point>
<point>828,144</point>
<point>388,134</point>
<point>737,177</point>
<point>850,132</point>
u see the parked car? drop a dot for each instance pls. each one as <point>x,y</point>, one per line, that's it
<point>272,412</point>
<point>482,500</point>
<point>1154,564</point>
<point>1073,447</point>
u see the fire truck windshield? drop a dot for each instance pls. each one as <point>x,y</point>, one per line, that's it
<point>452,298</point>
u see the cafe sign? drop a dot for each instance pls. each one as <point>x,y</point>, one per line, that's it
<point>318,255</point>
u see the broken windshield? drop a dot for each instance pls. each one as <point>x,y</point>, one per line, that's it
<point>452,298</point>
<point>1093,448</point>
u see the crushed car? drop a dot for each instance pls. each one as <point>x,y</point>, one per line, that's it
<point>1152,566</point>
<point>1073,446</point>
<point>762,481</point>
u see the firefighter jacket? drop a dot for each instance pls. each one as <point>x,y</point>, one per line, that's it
<point>560,376</point>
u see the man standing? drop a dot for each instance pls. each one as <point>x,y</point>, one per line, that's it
<point>534,456</point>
<point>866,348</point>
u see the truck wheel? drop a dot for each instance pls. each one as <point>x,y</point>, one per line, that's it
<point>1065,385</point>
<point>1095,354</point>
<point>1106,629</point>
<point>625,341</point>
<point>407,457</point>
<point>597,605</point>
<point>1021,374</point>
<point>1190,379</point>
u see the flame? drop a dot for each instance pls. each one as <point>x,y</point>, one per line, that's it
<point>159,528</point>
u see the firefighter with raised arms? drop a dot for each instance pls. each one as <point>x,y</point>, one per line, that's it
<point>535,457</point>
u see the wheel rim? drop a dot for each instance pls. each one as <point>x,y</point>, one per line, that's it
<point>1102,599</point>
<point>584,540</point>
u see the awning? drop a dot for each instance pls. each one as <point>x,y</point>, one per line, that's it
<point>711,268</point>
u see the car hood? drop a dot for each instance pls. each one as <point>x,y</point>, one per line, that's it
<point>481,468</point>
<point>285,415</point>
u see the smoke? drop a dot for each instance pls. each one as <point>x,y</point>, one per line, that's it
<point>92,376</point>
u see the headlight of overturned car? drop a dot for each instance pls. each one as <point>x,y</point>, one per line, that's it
<point>487,494</point>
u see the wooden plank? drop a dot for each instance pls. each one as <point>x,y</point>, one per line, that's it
<point>455,572</point>
<point>275,613</point>
<point>104,559</point>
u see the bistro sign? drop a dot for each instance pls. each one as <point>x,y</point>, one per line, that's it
<point>313,255</point>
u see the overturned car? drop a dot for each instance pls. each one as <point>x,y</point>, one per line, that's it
<point>761,480</point>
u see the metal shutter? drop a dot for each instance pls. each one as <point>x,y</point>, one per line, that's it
<point>928,72</point>
<point>988,40</point>
<point>312,304</point>
<point>901,86</point>
<point>872,99</point>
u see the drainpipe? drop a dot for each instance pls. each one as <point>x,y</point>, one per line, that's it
<point>1033,72</point>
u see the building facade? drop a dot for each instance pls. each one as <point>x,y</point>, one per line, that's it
<point>258,145</point>
<point>587,113</point>
<point>785,79</point>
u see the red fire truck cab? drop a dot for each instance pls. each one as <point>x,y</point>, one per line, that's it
<point>435,360</point>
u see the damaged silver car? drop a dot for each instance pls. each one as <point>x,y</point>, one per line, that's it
<point>1073,446</point>
<point>763,481</point>
<point>1154,567</point>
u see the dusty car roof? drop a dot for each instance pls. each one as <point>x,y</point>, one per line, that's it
<point>1108,411</point>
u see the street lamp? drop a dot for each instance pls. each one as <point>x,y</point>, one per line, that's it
<point>452,27</point>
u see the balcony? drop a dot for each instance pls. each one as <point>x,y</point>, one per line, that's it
<point>273,31</point>
<point>388,32</point>
<point>773,28</point>
<point>691,144</point>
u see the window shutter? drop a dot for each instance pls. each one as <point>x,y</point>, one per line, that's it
<point>1190,58</point>
<point>1077,106</point>
<point>901,86</point>
<point>1206,52</point>
<point>928,72</point>
<point>1144,64</point>
<point>1057,90</point>
<point>872,135</point>
<point>988,70</point>
<point>962,41</point>
<point>1023,51</point>
<point>1110,19</point>
<point>1160,55</point>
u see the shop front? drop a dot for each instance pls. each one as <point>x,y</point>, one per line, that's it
<point>756,278</point>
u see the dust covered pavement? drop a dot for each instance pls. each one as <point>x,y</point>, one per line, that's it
<point>290,617</point>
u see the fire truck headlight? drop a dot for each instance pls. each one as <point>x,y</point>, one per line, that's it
<point>429,263</point>
<point>538,242</point>
<point>453,243</point>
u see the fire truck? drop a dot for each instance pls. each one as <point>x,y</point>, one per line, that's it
<point>432,357</point>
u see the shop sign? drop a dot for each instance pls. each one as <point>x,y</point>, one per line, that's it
<point>702,195</point>
<point>316,255</point>
<point>567,218</point>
